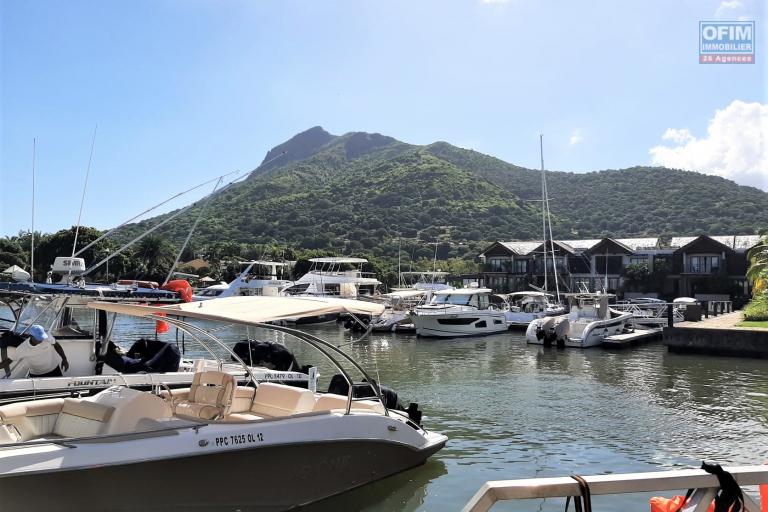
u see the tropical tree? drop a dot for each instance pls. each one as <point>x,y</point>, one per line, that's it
<point>758,268</point>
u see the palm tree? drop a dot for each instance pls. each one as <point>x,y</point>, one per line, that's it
<point>758,268</point>
<point>156,255</point>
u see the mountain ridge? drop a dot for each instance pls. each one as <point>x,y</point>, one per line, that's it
<point>360,192</point>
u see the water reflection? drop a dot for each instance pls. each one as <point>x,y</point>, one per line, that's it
<point>513,410</point>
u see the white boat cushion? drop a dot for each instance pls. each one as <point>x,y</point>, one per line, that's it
<point>31,419</point>
<point>210,396</point>
<point>81,418</point>
<point>331,402</point>
<point>243,399</point>
<point>280,400</point>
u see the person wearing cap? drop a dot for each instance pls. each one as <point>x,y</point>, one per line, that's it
<point>40,355</point>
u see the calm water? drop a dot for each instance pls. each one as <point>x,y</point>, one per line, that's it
<point>512,410</point>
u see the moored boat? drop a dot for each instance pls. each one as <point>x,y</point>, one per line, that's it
<point>458,312</point>
<point>589,321</point>
<point>203,446</point>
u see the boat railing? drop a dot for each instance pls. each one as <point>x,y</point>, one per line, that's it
<point>705,486</point>
<point>651,311</point>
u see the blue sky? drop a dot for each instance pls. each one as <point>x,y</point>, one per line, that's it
<point>189,89</point>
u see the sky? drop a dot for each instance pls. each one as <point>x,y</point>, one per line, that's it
<point>180,91</point>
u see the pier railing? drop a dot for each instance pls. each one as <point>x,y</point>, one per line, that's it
<point>653,313</point>
<point>705,487</point>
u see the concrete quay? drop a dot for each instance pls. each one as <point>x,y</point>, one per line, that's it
<point>717,336</point>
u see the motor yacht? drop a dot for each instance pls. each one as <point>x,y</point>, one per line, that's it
<point>458,312</point>
<point>257,278</point>
<point>334,277</point>
<point>589,321</point>
<point>524,307</point>
<point>265,446</point>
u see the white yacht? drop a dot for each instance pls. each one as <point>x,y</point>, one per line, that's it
<point>589,321</point>
<point>264,447</point>
<point>524,307</point>
<point>414,289</point>
<point>258,278</point>
<point>334,277</point>
<point>458,312</point>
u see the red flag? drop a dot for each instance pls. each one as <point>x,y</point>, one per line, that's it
<point>160,326</point>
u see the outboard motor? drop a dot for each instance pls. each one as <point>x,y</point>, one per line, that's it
<point>561,328</point>
<point>365,389</point>
<point>545,331</point>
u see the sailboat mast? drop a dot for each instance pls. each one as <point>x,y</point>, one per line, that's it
<point>543,208</point>
<point>32,244</point>
<point>549,223</point>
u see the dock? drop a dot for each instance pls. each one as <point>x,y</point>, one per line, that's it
<point>631,338</point>
<point>718,336</point>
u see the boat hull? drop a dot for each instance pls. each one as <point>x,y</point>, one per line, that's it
<point>267,478</point>
<point>454,325</point>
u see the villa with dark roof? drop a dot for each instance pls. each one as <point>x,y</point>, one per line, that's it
<point>706,267</point>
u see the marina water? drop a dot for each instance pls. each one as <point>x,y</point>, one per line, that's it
<point>513,410</point>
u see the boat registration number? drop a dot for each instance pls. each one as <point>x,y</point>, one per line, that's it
<point>238,439</point>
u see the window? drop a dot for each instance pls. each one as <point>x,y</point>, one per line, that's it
<point>638,260</point>
<point>521,266</point>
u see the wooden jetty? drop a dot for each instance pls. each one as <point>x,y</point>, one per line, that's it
<point>631,338</point>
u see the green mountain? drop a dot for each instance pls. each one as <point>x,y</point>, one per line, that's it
<point>361,192</point>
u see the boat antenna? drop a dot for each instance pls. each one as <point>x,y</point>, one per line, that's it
<point>543,207</point>
<point>153,208</point>
<point>434,259</point>
<point>32,243</point>
<point>549,219</point>
<point>82,199</point>
<point>189,235</point>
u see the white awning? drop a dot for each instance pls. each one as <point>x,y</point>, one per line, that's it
<point>249,309</point>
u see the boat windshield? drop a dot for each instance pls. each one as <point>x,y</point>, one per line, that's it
<point>456,299</point>
<point>39,310</point>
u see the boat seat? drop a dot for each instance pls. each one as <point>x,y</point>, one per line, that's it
<point>331,402</point>
<point>210,396</point>
<point>243,399</point>
<point>24,421</point>
<point>273,400</point>
<point>81,418</point>
<point>242,416</point>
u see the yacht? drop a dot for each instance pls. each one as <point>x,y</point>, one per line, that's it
<point>415,288</point>
<point>265,446</point>
<point>97,354</point>
<point>589,321</point>
<point>524,307</point>
<point>458,312</point>
<point>334,277</point>
<point>258,278</point>
<point>67,277</point>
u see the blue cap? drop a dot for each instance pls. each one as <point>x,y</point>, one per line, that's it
<point>37,332</point>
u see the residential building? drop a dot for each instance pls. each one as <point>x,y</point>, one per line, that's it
<point>680,266</point>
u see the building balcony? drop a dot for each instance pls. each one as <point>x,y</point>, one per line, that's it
<point>702,270</point>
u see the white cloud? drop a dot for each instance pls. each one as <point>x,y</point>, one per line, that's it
<point>576,137</point>
<point>735,9</point>
<point>735,147</point>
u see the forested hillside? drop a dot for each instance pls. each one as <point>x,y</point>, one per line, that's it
<point>369,194</point>
<point>361,192</point>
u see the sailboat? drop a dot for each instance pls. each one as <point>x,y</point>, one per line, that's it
<point>524,307</point>
<point>590,318</point>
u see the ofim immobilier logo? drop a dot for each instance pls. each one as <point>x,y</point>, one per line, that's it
<point>726,42</point>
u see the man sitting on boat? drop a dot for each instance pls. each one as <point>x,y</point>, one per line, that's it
<point>39,356</point>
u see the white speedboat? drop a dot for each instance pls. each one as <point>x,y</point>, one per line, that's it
<point>334,277</point>
<point>525,307</point>
<point>458,312</point>
<point>589,321</point>
<point>258,278</point>
<point>96,361</point>
<point>263,447</point>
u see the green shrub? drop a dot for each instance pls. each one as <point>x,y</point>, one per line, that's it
<point>757,309</point>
